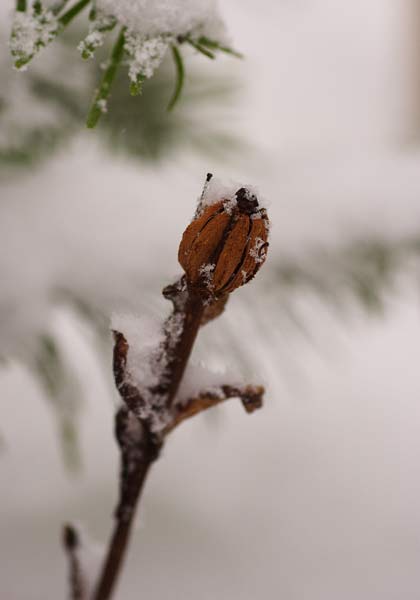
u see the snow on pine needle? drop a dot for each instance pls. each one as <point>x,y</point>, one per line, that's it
<point>31,31</point>
<point>146,30</point>
<point>157,17</point>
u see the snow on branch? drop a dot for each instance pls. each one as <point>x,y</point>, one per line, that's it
<point>147,29</point>
<point>250,396</point>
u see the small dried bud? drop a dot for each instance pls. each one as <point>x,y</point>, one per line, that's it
<point>225,245</point>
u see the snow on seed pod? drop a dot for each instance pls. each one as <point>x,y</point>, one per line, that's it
<point>226,244</point>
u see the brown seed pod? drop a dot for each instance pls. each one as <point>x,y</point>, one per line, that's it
<point>226,244</point>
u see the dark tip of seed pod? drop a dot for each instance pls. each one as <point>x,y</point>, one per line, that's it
<point>209,176</point>
<point>247,202</point>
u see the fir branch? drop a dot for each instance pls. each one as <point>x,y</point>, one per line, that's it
<point>99,102</point>
<point>36,30</point>
<point>180,77</point>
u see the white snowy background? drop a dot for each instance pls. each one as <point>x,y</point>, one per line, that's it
<point>317,496</point>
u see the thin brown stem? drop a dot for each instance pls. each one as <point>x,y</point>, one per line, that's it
<point>71,543</point>
<point>192,316</point>
<point>119,541</point>
<point>138,451</point>
<point>139,447</point>
<point>250,396</point>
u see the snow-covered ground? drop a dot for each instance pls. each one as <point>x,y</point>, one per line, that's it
<point>315,497</point>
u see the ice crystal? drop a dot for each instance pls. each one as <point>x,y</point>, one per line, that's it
<point>173,328</point>
<point>206,271</point>
<point>256,253</point>
<point>102,105</point>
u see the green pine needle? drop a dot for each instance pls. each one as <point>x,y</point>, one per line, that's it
<point>72,12</point>
<point>136,86</point>
<point>93,13</point>
<point>58,6</point>
<point>180,77</point>
<point>70,444</point>
<point>207,42</point>
<point>200,48</point>
<point>104,90</point>
<point>37,7</point>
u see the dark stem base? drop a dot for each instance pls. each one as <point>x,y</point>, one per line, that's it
<point>139,449</point>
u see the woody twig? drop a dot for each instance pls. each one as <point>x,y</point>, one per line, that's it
<point>222,248</point>
<point>71,543</point>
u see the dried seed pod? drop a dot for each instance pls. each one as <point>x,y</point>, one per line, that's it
<point>225,245</point>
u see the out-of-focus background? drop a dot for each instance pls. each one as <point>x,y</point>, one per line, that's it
<point>317,496</point>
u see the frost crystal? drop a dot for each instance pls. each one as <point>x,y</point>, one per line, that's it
<point>173,328</point>
<point>206,271</point>
<point>255,251</point>
<point>96,36</point>
<point>102,105</point>
<point>229,204</point>
<point>145,54</point>
<point>30,33</point>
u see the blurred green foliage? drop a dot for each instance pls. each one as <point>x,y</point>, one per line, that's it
<point>364,272</point>
<point>60,386</point>
<point>142,127</point>
<point>44,108</point>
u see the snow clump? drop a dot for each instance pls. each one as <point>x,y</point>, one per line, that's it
<point>151,18</point>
